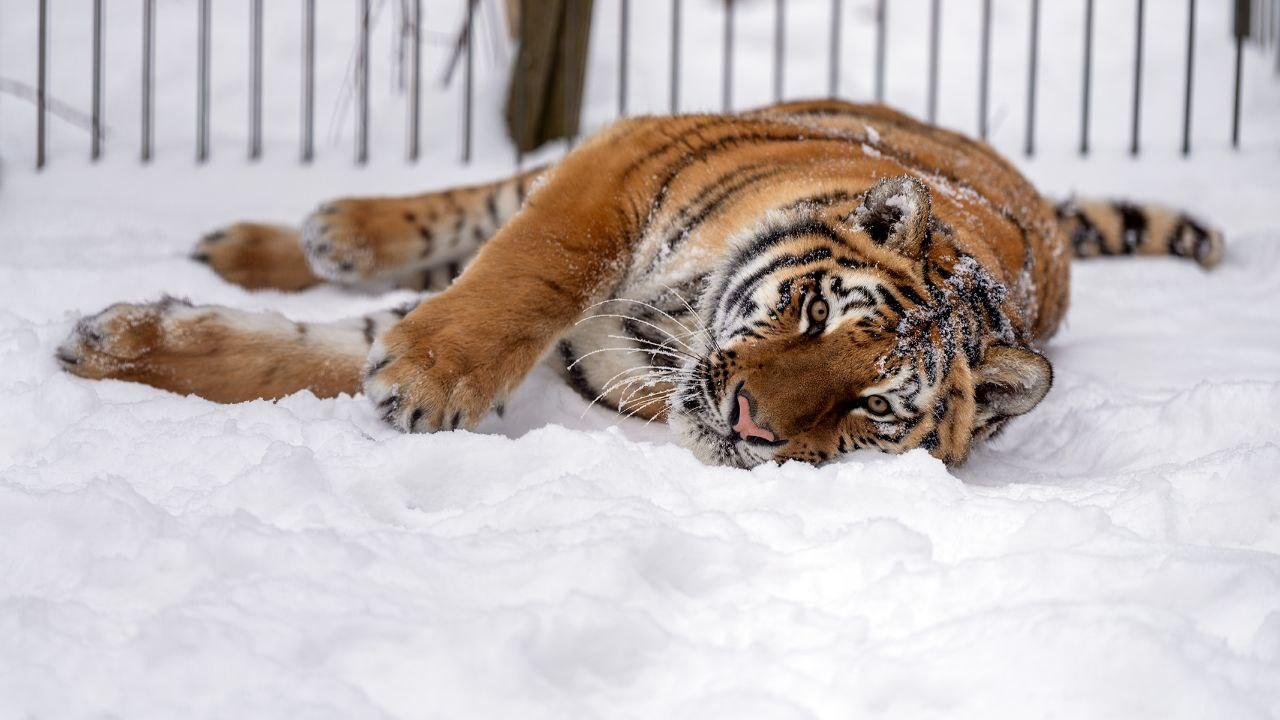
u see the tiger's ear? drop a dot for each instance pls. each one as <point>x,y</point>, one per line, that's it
<point>1010,381</point>
<point>895,213</point>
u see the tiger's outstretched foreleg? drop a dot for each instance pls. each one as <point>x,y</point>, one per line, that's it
<point>1103,227</point>
<point>220,353</point>
<point>460,353</point>
<point>419,242</point>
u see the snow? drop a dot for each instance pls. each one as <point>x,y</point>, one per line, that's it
<point>1116,553</point>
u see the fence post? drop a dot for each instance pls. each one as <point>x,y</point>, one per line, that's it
<point>984,80</point>
<point>1243,22</point>
<point>935,33</point>
<point>362,87</point>
<point>95,141</point>
<point>1087,82</point>
<point>467,80</point>
<point>1191,63</point>
<point>833,71</point>
<point>675,56</point>
<point>882,12</point>
<point>255,79</point>
<point>202,81</point>
<point>726,93</point>
<point>1137,83</point>
<point>41,80</point>
<point>148,75</point>
<point>308,80</point>
<point>779,47</point>
<point>1034,53</point>
<point>415,85</point>
<point>623,51</point>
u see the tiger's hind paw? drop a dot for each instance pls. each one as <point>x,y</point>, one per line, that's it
<point>257,257</point>
<point>356,240</point>
<point>117,341</point>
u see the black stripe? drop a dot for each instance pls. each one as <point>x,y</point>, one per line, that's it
<point>1085,235</point>
<point>368,330</point>
<point>703,153</point>
<point>681,138</point>
<point>752,281</point>
<point>821,200</point>
<point>491,203</point>
<point>578,378</point>
<point>774,236</point>
<point>709,200</point>
<point>1133,222</point>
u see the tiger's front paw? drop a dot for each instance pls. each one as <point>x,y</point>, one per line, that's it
<point>437,370</point>
<point>365,239</point>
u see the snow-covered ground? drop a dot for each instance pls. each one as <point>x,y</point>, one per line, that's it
<point>1115,554</point>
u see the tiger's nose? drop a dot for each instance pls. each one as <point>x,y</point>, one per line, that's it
<point>745,426</point>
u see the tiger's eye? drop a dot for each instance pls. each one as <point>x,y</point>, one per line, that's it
<point>818,311</point>
<point>878,405</point>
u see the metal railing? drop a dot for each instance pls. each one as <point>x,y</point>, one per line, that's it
<point>1256,21</point>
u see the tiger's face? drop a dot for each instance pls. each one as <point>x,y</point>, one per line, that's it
<point>831,334</point>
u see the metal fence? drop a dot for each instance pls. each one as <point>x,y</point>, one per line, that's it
<point>1254,21</point>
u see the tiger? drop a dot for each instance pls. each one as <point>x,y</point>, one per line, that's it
<point>795,282</point>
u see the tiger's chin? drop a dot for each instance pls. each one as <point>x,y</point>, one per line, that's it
<point>713,447</point>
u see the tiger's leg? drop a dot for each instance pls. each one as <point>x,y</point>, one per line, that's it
<point>269,257</point>
<point>460,353</point>
<point>413,241</point>
<point>1104,227</point>
<point>222,354</point>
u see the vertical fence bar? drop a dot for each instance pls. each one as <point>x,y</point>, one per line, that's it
<point>935,35</point>
<point>726,74</point>
<point>308,80</point>
<point>882,11</point>
<point>148,76</point>
<point>1191,63</point>
<point>415,85</point>
<point>566,73</point>
<point>255,79</point>
<point>202,81</point>
<point>362,87</point>
<point>624,34</point>
<point>467,79</point>
<point>1087,80</point>
<point>41,80</point>
<point>984,74</point>
<point>95,123</point>
<point>1243,23</point>
<point>516,126</point>
<point>833,69</point>
<point>675,56</point>
<point>1136,129</point>
<point>779,47</point>
<point>1032,68</point>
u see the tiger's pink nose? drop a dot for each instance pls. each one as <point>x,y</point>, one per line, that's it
<point>746,426</point>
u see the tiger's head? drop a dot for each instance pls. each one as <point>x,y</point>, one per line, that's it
<point>831,332</point>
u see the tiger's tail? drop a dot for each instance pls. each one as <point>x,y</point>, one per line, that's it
<point>1105,227</point>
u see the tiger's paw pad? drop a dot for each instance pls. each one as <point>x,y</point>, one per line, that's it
<point>256,256</point>
<point>356,240</point>
<point>116,339</point>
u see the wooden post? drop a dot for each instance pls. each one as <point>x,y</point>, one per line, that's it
<point>545,96</point>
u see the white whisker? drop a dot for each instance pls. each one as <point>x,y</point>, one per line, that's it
<point>659,328</point>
